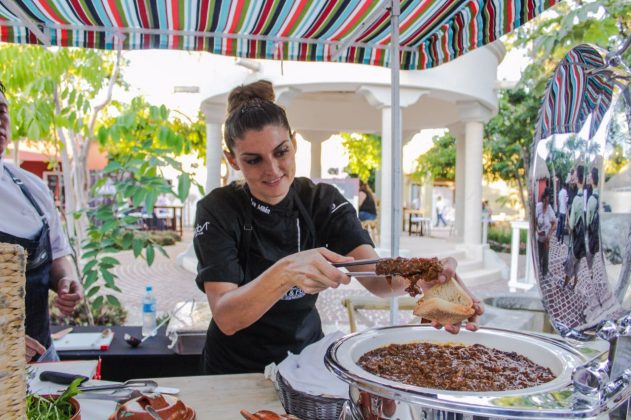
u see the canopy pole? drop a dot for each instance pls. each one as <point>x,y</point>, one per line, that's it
<point>397,177</point>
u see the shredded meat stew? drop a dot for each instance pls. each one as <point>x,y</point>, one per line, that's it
<point>455,367</point>
<point>412,269</point>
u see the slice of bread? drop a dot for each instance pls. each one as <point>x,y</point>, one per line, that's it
<point>445,303</point>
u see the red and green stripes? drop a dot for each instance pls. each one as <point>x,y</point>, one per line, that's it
<point>432,31</point>
<point>574,94</point>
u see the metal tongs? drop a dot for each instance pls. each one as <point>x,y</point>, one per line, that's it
<point>359,262</point>
<point>121,392</point>
<point>145,385</point>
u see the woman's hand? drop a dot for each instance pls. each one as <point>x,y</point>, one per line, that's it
<point>473,322</point>
<point>449,271</point>
<point>312,271</point>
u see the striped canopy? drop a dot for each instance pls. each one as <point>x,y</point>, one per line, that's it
<point>574,93</point>
<point>432,32</point>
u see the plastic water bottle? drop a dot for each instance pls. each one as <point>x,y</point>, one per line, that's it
<point>148,313</point>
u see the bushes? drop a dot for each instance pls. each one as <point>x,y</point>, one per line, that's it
<point>159,237</point>
<point>499,238</point>
<point>105,315</point>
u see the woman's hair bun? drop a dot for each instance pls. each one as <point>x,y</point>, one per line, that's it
<point>261,90</point>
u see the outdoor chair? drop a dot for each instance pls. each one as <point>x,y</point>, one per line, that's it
<point>372,227</point>
<point>355,303</point>
<point>419,225</point>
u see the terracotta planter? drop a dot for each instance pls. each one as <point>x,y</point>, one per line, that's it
<point>72,401</point>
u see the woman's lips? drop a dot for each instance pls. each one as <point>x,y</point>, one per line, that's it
<point>273,182</point>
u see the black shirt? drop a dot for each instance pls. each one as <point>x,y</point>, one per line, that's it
<point>368,205</point>
<point>309,216</point>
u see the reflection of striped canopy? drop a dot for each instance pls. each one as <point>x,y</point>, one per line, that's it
<point>432,31</point>
<point>574,93</point>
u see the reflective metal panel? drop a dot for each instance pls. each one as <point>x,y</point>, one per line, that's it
<point>580,193</point>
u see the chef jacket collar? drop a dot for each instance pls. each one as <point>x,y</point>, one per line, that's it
<point>284,207</point>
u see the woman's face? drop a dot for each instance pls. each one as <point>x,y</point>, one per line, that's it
<point>267,159</point>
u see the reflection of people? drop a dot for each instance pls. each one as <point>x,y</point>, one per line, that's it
<point>546,224</point>
<point>265,246</point>
<point>562,199</point>
<point>30,219</point>
<point>593,219</point>
<point>577,231</point>
<point>367,206</point>
<point>572,189</point>
<point>440,211</point>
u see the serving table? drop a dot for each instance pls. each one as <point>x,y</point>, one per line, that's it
<point>212,397</point>
<point>121,362</point>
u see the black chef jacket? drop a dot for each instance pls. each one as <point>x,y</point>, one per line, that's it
<point>228,221</point>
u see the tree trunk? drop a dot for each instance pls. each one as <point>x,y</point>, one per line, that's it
<point>625,271</point>
<point>520,187</point>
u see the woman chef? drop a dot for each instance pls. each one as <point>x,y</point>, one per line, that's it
<point>265,247</point>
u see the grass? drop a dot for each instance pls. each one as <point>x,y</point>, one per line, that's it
<point>499,238</point>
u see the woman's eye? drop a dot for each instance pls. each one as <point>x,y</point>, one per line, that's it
<point>253,161</point>
<point>282,152</point>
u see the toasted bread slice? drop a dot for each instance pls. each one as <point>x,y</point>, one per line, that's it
<point>445,303</point>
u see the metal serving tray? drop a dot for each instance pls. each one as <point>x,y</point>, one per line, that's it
<point>187,329</point>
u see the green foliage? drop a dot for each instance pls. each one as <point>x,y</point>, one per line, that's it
<point>509,134</point>
<point>106,314</point>
<point>606,23</point>
<point>499,237</point>
<point>59,96</point>
<point>160,237</point>
<point>57,408</point>
<point>507,139</point>
<point>49,89</point>
<point>364,151</point>
<point>192,131</point>
<point>141,145</point>
<point>439,161</point>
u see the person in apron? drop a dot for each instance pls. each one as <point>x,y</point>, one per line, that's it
<point>265,247</point>
<point>26,201</point>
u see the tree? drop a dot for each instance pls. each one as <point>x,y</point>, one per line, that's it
<point>509,134</point>
<point>141,145</point>
<point>507,139</point>
<point>439,161</point>
<point>64,97</point>
<point>57,96</point>
<point>364,154</point>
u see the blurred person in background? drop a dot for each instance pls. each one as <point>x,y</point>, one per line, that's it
<point>30,219</point>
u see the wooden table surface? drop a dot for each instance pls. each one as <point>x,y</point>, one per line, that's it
<point>223,396</point>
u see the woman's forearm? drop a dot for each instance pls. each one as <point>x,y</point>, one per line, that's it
<point>240,307</point>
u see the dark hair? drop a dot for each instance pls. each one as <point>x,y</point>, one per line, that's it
<point>595,176</point>
<point>547,193</point>
<point>2,88</point>
<point>580,173</point>
<point>252,107</point>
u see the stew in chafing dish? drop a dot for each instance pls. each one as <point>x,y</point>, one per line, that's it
<point>455,367</point>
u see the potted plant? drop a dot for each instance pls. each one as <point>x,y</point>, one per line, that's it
<point>58,407</point>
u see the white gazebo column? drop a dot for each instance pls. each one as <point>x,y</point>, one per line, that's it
<point>380,97</point>
<point>385,184</point>
<point>458,132</point>
<point>474,115</point>
<point>213,114</point>
<point>316,138</point>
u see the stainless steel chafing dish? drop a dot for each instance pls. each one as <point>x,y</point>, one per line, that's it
<point>373,397</point>
<point>591,357</point>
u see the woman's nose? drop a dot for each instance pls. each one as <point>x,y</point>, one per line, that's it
<point>272,167</point>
